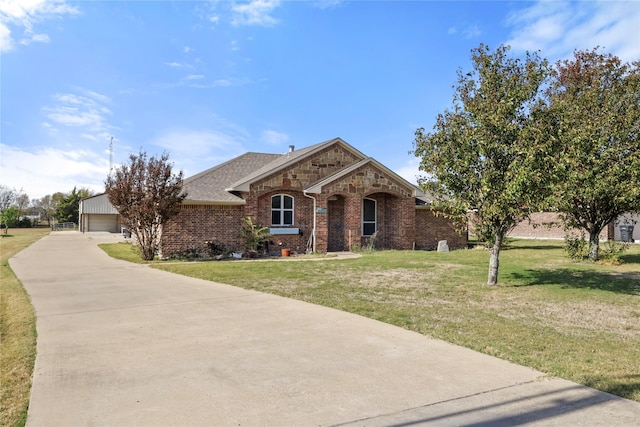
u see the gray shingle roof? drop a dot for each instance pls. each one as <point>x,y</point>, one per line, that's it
<point>209,186</point>
<point>215,185</point>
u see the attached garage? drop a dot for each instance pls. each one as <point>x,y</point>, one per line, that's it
<point>98,214</point>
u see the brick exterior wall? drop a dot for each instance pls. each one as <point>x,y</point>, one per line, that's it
<point>547,225</point>
<point>431,228</point>
<point>302,217</point>
<point>338,211</point>
<point>395,210</point>
<point>197,224</point>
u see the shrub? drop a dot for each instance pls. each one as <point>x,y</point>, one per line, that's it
<point>215,249</point>
<point>611,251</point>
<point>185,255</point>
<point>255,235</point>
<point>576,247</point>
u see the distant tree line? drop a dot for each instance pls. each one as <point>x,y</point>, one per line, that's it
<point>17,210</point>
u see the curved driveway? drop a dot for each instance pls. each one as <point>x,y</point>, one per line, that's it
<point>121,344</point>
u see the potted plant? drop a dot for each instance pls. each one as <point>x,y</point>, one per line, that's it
<point>284,251</point>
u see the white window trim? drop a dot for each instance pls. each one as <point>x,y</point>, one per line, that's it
<point>282,210</point>
<point>375,212</point>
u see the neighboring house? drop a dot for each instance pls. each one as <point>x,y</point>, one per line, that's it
<point>548,225</point>
<point>96,213</point>
<point>327,197</point>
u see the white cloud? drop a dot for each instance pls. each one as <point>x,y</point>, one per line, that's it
<point>30,37</point>
<point>327,4</point>
<point>472,32</point>
<point>45,171</point>
<point>559,28</point>
<point>256,12</point>
<point>75,110</point>
<point>24,15</point>
<point>180,65</point>
<point>215,83</point>
<point>273,137</point>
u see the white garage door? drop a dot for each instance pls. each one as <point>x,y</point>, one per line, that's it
<point>103,223</point>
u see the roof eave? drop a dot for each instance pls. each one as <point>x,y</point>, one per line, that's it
<point>215,202</point>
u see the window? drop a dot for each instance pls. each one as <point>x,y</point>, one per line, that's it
<point>281,210</point>
<point>368,217</point>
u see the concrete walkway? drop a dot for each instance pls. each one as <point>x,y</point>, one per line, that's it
<point>121,344</point>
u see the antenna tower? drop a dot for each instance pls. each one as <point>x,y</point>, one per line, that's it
<point>110,155</point>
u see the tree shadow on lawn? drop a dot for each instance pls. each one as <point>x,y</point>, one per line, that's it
<point>623,283</point>
<point>627,386</point>
<point>630,258</point>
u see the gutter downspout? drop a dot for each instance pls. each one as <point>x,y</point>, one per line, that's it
<point>313,233</point>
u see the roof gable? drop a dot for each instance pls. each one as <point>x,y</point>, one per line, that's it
<point>288,159</point>
<point>318,186</point>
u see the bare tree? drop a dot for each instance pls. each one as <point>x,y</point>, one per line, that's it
<point>22,201</point>
<point>44,208</point>
<point>146,193</point>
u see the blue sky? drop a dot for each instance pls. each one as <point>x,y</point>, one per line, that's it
<point>209,80</point>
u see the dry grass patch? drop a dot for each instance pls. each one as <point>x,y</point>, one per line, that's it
<point>17,331</point>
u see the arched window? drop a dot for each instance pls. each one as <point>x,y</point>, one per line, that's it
<point>281,210</point>
<point>369,217</point>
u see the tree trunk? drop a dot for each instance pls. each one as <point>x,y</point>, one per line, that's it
<point>594,244</point>
<point>494,261</point>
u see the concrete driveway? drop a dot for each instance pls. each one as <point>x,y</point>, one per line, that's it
<point>121,344</point>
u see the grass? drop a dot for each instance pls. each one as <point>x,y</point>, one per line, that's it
<point>578,321</point>
<point>17,331</point>
<point>124,251</point>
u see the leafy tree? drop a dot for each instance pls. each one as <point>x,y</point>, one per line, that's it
<point>146,193</point>
<point>595,100</point>
<point>56,199</point>
<point>7,197</point>
<point>7,200</point>
<point>68,208</point>
<point>10,217</point>
<point>487,153</point>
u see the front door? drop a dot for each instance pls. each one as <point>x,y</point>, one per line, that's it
<point>335,220</point>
